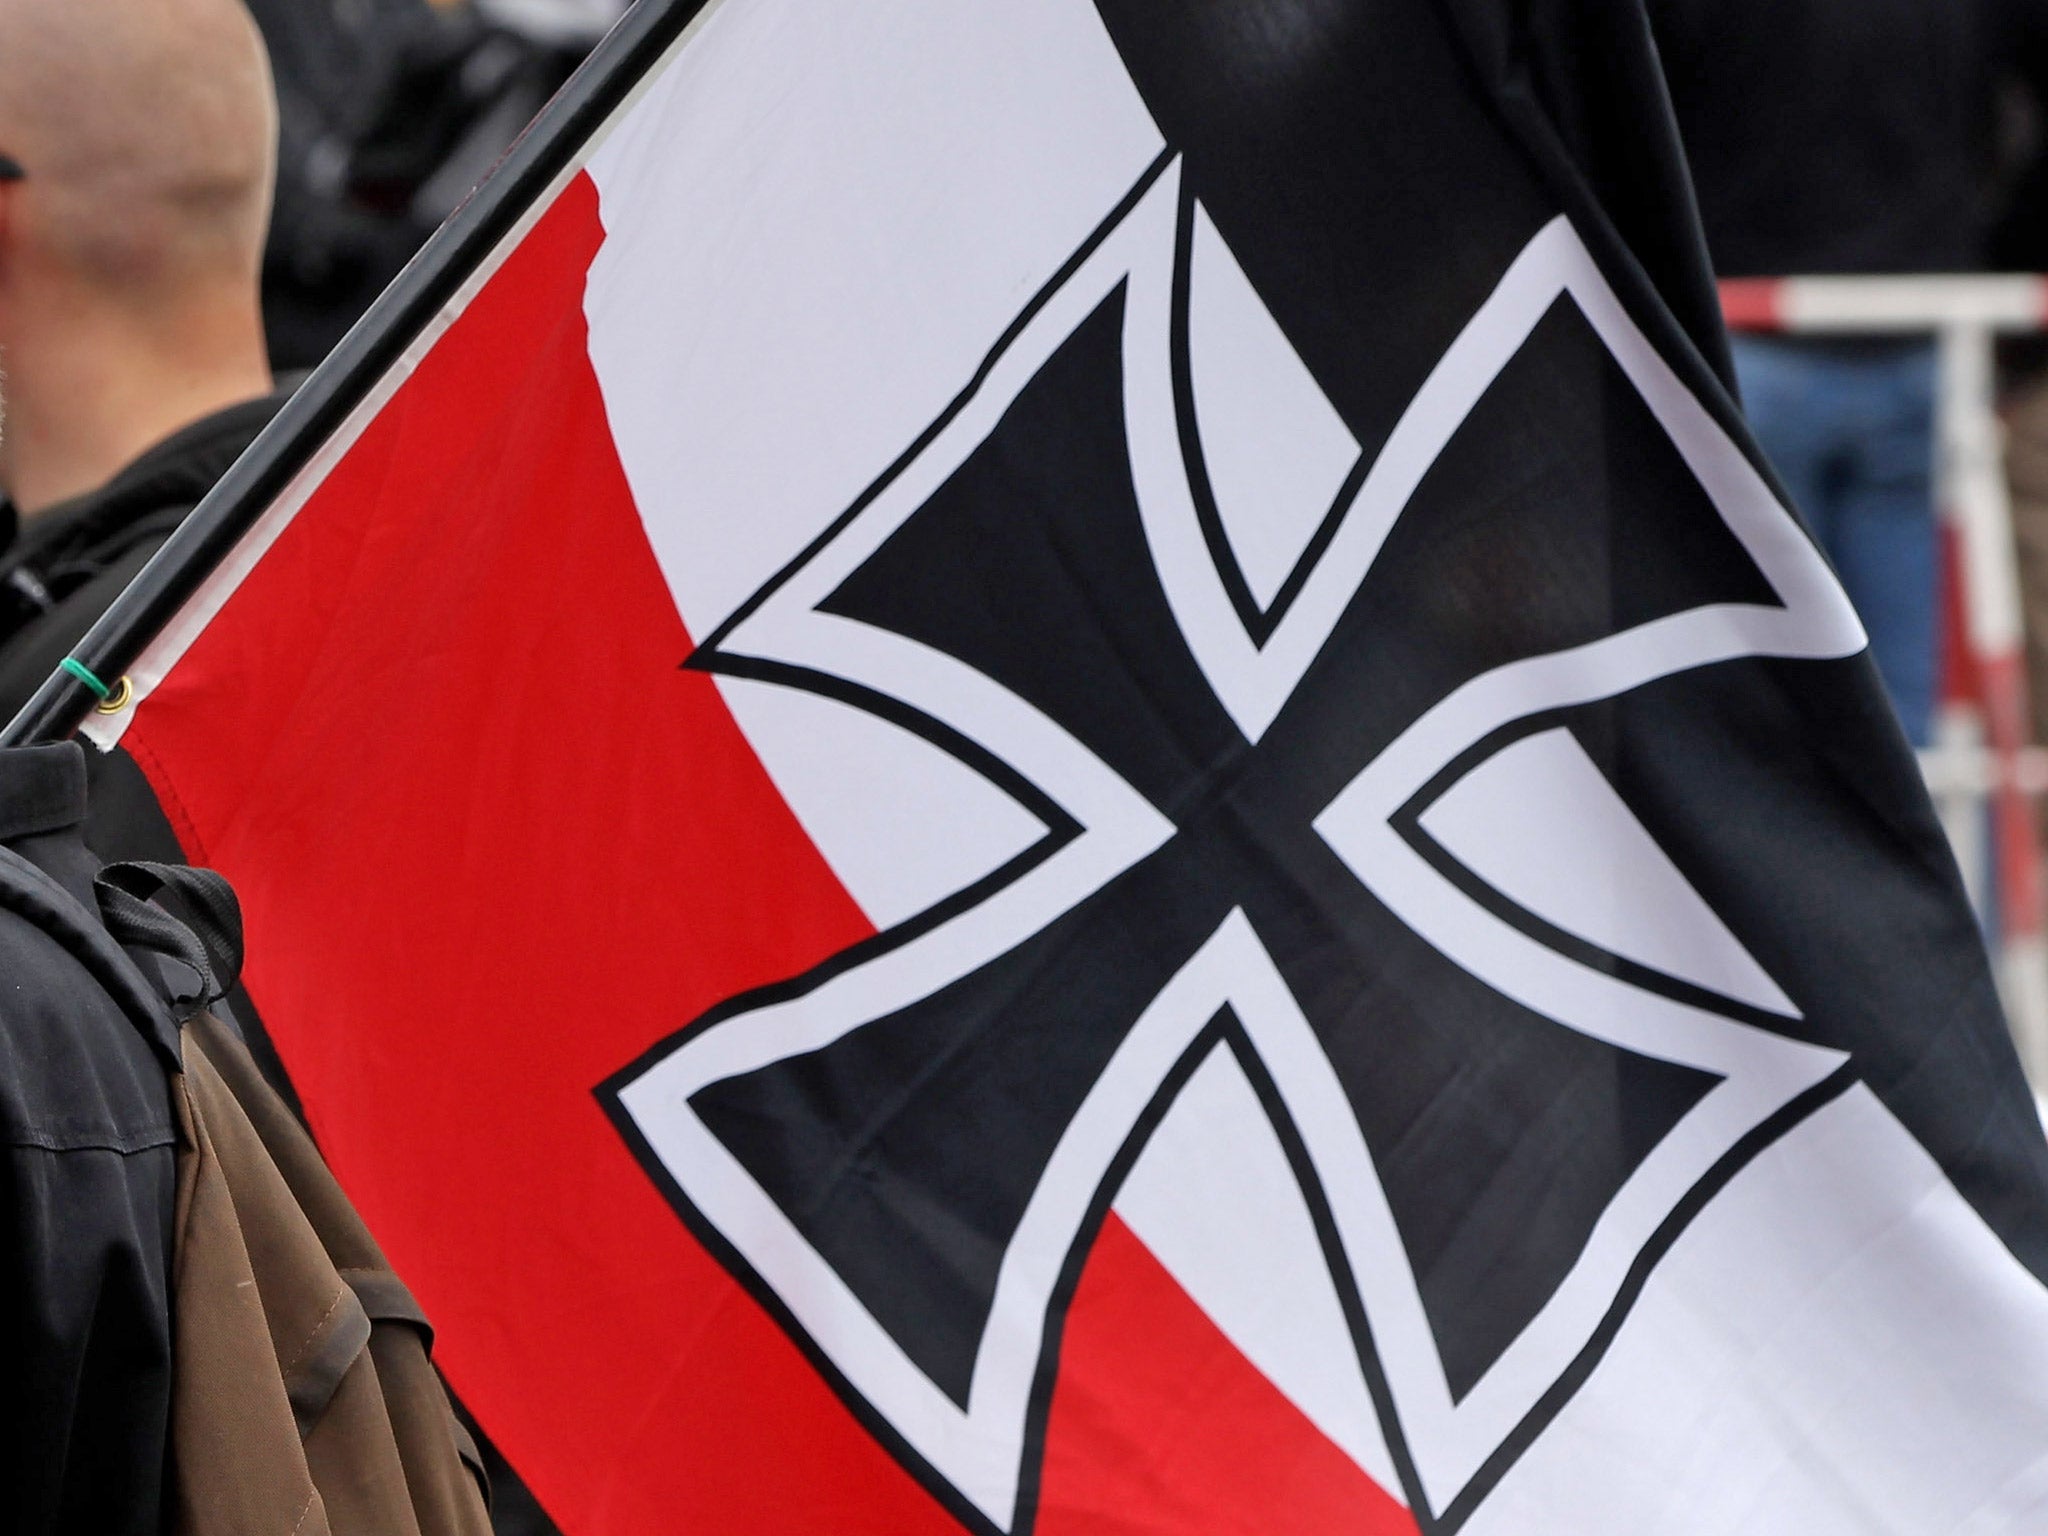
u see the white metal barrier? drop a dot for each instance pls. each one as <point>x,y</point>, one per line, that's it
<point>1982,759</point>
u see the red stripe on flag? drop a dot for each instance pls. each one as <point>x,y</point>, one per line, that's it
<point>1160,1427</point>
<point>420,738</point>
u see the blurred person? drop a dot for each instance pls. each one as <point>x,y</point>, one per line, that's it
<point>391,111</point>
<point>140,136</point>
<point>1849,136</point>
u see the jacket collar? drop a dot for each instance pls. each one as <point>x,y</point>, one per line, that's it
<point>178,471</point>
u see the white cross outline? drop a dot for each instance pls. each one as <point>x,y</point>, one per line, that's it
<point>979,1450</point>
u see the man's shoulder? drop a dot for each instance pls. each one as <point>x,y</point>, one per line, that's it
<point>78,1072</point>
<point>86,1046</point>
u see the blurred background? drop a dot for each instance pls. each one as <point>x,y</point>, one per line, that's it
<point>1873,186</point>
<point>391,110</point>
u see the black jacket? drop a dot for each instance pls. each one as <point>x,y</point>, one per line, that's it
<point>64,570</point>
<point>1844,135</point>
<point>87,1180</point>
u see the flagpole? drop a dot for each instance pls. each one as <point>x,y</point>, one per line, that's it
<point>320,406</point>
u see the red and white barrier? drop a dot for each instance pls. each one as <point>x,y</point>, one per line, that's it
<point>1880,306</point>
<point>1984,758</point>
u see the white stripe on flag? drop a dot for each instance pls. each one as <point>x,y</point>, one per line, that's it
<point>1837,1347</point>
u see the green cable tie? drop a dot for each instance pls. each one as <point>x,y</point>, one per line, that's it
<point>84,674</point>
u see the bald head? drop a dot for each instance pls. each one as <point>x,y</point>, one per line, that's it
<point>147,129</point>
<point>132,245</point>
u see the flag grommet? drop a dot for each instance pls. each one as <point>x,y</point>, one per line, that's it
<point>118,698</point>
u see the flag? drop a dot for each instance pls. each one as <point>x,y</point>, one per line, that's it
<point>1057,768</point>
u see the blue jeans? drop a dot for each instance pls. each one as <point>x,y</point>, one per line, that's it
<point>1850,429</point>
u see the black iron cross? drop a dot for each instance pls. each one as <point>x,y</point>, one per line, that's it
<point>902,1143</point>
